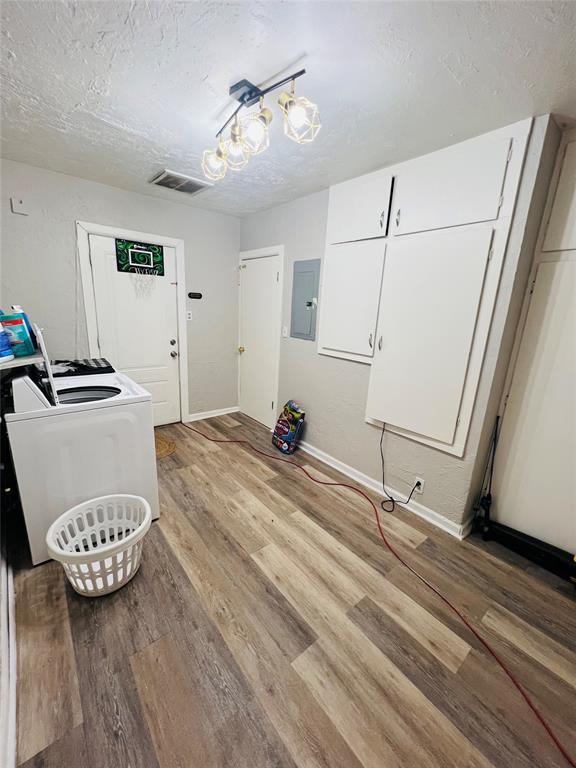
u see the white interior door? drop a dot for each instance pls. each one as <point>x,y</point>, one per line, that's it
<point>259,339</point>
<point>534,479</point>
<point>137,321</point>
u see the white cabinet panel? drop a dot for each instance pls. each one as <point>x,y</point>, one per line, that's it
<point>358,209</point>
<point>351,277</point>
<point>534,479</point>
<point>431,291</point>
<point>561,233</point>
<point>458,185</point>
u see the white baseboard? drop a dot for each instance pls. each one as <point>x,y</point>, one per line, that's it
<point>459,531</point>
<point>210,414</point>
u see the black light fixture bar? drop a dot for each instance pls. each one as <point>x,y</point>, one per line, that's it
<point>249,94</point>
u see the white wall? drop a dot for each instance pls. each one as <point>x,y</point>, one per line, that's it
<point>333,391</point>
<point>40,268</point>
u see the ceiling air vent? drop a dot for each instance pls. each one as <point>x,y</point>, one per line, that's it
<point>179,182</point>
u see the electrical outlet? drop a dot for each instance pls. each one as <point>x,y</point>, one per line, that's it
<point>420,488</point>
<point>18,205</point>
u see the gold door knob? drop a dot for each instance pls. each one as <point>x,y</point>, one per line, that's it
<point>241,349</point>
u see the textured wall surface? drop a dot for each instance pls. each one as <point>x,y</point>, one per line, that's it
<point>333,391</point>
<point>116,91</point>
<point>40,268</point>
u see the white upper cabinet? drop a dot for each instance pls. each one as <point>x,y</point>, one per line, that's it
<point>431,292</point>
<point>349,297</point>
<point>459,185</point>
<point>358,209</point>
<point>561,232</point>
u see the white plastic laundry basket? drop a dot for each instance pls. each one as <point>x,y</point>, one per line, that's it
<point>99,542</point>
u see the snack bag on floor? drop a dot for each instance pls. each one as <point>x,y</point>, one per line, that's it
<point>288,427</point>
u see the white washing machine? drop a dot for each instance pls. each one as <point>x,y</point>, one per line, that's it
<point>75,438</point>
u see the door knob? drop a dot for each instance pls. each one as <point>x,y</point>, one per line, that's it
<point>172,341</point>
<point>173,354</point>
<point>241,349</point>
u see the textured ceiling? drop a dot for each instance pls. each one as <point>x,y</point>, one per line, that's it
<point>116,91</point>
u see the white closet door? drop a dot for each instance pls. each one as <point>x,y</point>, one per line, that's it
<point>431,291</point>
<point>534,475</point>
<point>458,185</point>
<point>351,277</point>
<point>561,233</point>
<point>358,208</point>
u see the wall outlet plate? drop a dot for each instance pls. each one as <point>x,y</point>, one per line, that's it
<point>18,206</point>
<point>422,482</point>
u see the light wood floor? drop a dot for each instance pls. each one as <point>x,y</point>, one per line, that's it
<point>268,627</point>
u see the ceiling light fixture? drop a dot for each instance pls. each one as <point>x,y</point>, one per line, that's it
<point>237,154</point>
<point>214,163</point>
<point>255,130</point>
<point>250,136</point>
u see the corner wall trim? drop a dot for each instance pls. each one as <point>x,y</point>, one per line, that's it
<point>210,414</point>
<point>458,530</point>
<point>7,666</point>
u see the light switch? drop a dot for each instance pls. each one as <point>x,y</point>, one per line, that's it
<point>18,206</point>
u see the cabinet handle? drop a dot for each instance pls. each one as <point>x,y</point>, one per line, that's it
<point>398,217</point>
<point>382,219</point>
<point>173,354</point>
<point>370,341</point>
<point>380,344</point>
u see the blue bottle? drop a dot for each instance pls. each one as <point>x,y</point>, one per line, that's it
<point>17,309</point>
<point>5,347</point>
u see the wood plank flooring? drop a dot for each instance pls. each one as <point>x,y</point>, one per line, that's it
<point>269,628</point>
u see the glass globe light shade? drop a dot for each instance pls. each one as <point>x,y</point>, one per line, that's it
<point>214,163</point>
<point>301,118</point>
<point>255,131</point>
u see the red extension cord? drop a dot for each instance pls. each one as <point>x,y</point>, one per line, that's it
<point>437,592</point>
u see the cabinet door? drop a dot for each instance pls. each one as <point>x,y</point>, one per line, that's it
<point>561,233</point>
<point>458,185</point>
<point>358,209</point>
<point>351,277</point>
<point>431,291</point>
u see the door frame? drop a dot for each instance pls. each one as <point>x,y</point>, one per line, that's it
<point>263,253</point>
<point>83,231</point>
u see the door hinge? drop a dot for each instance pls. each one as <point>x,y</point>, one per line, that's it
<point>510,153</point>
<point>490,253</point>
<point>272,404</point>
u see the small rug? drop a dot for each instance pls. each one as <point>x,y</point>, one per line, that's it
<point>164,447</point>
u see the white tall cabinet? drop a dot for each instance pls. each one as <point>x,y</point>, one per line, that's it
<point>412,291</point>
<point>534,489</point>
